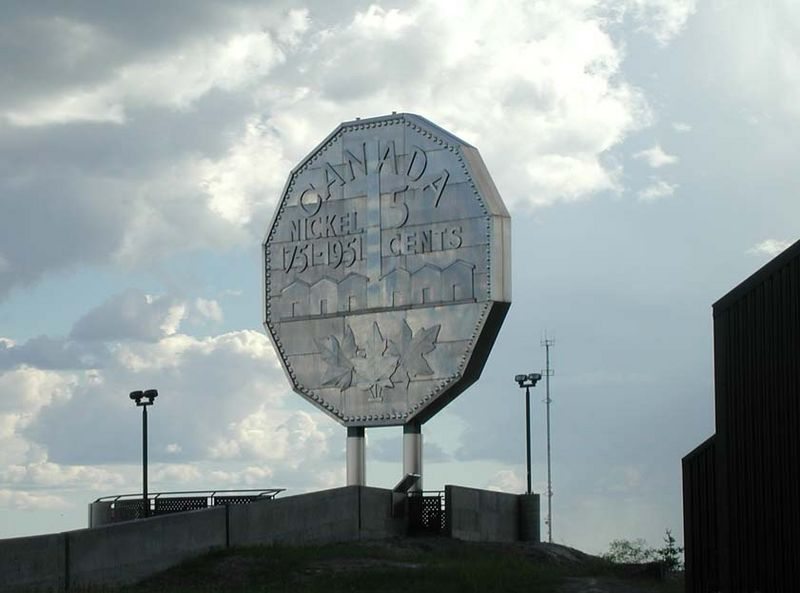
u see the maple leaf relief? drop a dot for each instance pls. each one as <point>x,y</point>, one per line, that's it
<point>410,350</point>
<point>381,363</point>
<point>339,358</point>
<point>374,369</point>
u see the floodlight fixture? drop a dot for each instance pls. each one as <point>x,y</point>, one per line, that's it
<point>527,379</point>
<point>144,398</point>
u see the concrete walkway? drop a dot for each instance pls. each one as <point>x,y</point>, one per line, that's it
<point>603,585</point>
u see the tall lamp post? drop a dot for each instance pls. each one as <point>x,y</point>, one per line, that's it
<point>527,381</point>
<point>144,399</point>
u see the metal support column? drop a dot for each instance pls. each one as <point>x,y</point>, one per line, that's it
<point>412,451</point>
<point>356,457</point>
<point>547,343</point>
<point>527,381</point>
<point>145,499</point>
<point>144,399</point>
<point>528,434</point>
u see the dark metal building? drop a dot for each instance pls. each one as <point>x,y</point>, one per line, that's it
<point>700,515</point>
<point>741,487</point>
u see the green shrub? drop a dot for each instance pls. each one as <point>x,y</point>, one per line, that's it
<point>670,553</point>
<point>629,551</point>
<point>637,551</point>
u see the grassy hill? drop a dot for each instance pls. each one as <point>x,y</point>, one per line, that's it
<point>409,566</point>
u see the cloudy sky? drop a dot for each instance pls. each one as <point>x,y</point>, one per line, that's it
<point>647,150</point>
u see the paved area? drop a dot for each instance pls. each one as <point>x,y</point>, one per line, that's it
<point>603,585</point>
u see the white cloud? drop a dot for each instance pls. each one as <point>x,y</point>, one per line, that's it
<point>378,23</point>
<point>67,431</point>
<point>172,320</point>
<point>131,315</point>
<point>657,190</point>
<point>77,106</point>
<point>770,247</point>
<point>549,94</point>
<point>681,127</point>
<point>135,315</point>
<point>252,476</point>
<point>179,350</point>
<point>656,157</point>
<point>239,183</point>
<point>295,438</point>
<point>507,480</point>
<point>175,80</point>
<point>754,52</point>
<point>538,87</point>
<point>623,480</point>
<point>231,382</point>
<point>44,353</point>
<point>223,400</point>
<point>173,448</point>
<point>48,474</point>
<point>547,105</point>
<point>177,473</point>
<point>663,19</point>
<point>27,501</point>
<point>331,477</point>
<point>172,211</point>
<point>225,418</point>
<point>26,390</point>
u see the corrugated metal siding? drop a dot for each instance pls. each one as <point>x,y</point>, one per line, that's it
<point>757,370</point>
<point>700,519</point>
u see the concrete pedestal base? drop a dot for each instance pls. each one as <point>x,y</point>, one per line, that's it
<point>529,518</point>
<point>99,514</point>
<point>412,452</point>
<point>356,457</point>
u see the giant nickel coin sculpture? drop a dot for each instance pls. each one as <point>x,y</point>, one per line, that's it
<point>387,271</point>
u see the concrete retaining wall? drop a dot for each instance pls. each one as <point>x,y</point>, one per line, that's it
<point>481,515</point>
<point>318,517</point>
<point>33,563</point>
<point>125,552</point>
<point>375,512</point>
<point>120,553</point>
<point>341,514</point>
<point>141,548</point>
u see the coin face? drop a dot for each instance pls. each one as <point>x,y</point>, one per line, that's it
<point>386,271</point>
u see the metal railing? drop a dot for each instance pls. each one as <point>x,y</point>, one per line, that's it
<point>426,513</point>
<point>125,507</point>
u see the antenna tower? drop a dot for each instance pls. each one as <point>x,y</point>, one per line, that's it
<point>548,372</point>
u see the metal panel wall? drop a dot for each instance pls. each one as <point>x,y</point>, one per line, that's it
<point>700,519</point>
<point>757,372</point>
